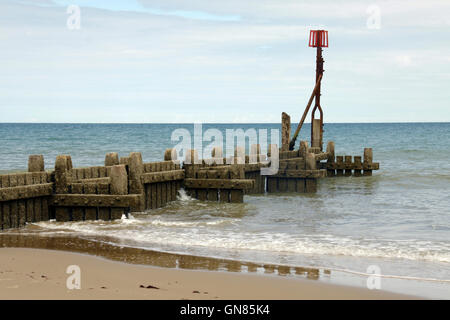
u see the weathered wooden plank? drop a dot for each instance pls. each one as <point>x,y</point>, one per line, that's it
<point>25,192</point>
<point>6,209</point>
<point>93,180</point>
<point>116,213</point>
<point>37,210</point>
<point>21,213</point>
<point>154,191</point>
<point>94,200</point>
<point>237,196</point>
<point>330,160</point>
<point>272,184</point>
<point>301,185</point>
<point>237,184</point>
<point>1,217</point>
<point>111,159</point>
<point>213,194</point>
<point>348,166</point>
<point>45,214</point>
<point>90,213</point>
<point>162,176</point>
<point>77,214</point>
<point>302,174</point>
<point>103,212</point>
<point>36,163</point>
<point>339,166</point>
<point>158,195</point>
<point>282,184</point>
<point>310,185</point>
<point>62,214</point>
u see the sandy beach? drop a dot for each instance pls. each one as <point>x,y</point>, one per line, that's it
<point>41,274</point>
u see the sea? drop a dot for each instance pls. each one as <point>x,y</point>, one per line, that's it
<point>394,224</point>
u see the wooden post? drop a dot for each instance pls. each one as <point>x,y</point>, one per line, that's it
<point>368,158</point>
<point>112,159</point>
<point>136,169</point>
<point>119,186</point>
<point>311,183</point>
<point>348,165</point>
<point>62,179</point>
<point>358,166</point>
<point>285,131</point>
<point>213,194</point>
<point>6,209</point>
<point>170,154</point>
<point>237,172</point>
<point>36,163</point>
<point>315,138</point>
<point>340,165</point>
<point>303,149</point>
<point>330,159</point>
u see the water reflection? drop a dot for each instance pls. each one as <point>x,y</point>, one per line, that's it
<point>148,257</point>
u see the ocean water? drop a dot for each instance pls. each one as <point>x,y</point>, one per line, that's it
<point>398,220</point>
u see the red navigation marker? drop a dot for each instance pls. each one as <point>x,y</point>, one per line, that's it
<point>318,38</point>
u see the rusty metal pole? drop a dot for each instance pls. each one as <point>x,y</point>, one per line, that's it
<point>319,73</point>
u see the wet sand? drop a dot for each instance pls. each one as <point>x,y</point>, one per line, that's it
<point>41,274</point>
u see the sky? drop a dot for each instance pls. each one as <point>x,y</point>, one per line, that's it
<point>178,61</point>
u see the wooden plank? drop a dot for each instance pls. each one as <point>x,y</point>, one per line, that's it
<point>236,196</point>
<point>45,214</point>
<point>102,173</point>
<point>339,164</point>
<point>271,184</point>
<point>25,192</point>
<point>62,214</point>
<point>158,195</point>
<point>303,174</point>
<point>368,158</point>
<point>237,184</point>
<point>77,214</point>
<point>94,200</point>
<point>357,166</point>
<point>348,166</point>
<point>310,185</point>
<point>301,185</point>
<point>103,212</point>
<point>6,209</point>
<point>94,172</point>
<point>148,196</point>
<point>29,203</point>
<point>116,213</point>
<point>87,173</point>
<point>21,213</point>
<point>282,185</point>
<point>202,192</point>
<point>213,194</point>
<point>154,195</point>
<point>162,176</point>
<point>291,185</point>
<point>90,214</point>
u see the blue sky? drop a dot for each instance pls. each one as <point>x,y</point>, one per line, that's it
<point>222,61</point>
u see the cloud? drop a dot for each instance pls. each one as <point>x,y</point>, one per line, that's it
<point>130,65</point>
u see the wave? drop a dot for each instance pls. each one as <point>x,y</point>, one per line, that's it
<point>185,235</point>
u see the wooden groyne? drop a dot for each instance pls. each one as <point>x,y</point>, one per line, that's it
<point>128,184</point>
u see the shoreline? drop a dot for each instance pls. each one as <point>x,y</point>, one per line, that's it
<point>41,274</point>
